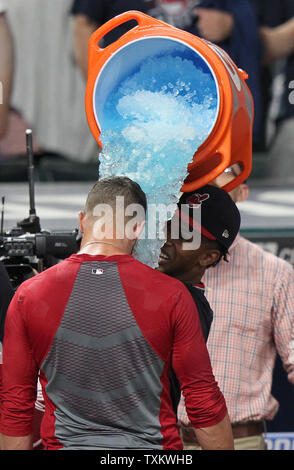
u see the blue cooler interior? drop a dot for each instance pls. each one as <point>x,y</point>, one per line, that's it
<point>163,73</point>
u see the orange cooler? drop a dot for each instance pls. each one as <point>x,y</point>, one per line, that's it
<point>230,135</point>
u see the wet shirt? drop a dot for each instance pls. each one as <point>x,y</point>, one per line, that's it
<point>104,333</point>
<point>205,313</point>
<point>204,310</point>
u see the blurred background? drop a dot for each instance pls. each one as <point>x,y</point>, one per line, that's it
<point>43,70</point>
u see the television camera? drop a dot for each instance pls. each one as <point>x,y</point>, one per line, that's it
<point>26,249</point>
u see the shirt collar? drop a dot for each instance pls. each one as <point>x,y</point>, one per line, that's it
<point>200,286</point>
<point>235,242</point>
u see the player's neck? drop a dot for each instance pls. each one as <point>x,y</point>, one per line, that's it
<point>104,247</point>
<point>192,277</point>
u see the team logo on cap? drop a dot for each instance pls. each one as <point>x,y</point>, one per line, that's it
<point>197,199</point>
<point>226,234</point>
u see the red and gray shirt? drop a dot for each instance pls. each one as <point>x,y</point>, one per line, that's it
<point>103,333</point>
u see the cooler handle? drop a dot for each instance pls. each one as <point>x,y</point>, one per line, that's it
<point>141,18</point>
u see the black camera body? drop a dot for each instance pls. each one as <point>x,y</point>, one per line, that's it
<point>27,254</point>
<point>57,244</point>
<point>26,249</point>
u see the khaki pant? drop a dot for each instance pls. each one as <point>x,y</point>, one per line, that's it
<point>244,443</point>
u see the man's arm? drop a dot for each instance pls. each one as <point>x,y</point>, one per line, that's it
<point>17,443</point>
<point>19,375</point>
<point>214,25</point>
<point>217,437</point>
<point>6,71</point>
<point>278,42</point>
<point>83,28</point>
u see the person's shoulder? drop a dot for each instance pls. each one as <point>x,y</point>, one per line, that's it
<point>197,293</point>
<point>269,259</point>
<point>159,279</point>
<point>42,277</point>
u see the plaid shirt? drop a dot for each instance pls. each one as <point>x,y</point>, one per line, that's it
<point>252,297</point>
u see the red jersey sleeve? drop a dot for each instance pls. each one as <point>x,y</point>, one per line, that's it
<point>204,401</point>
<point>20,373</point>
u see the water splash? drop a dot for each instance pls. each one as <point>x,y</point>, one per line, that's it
<point>152,125</point>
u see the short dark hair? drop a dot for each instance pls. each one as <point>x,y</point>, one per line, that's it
<point>215,244</point>
<point>106,190</point>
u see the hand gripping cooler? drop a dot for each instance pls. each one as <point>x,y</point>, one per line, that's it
<point>229,139</point>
